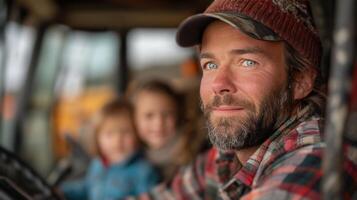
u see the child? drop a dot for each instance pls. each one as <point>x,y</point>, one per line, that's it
<point>120,169</point>
<point>159,117</point>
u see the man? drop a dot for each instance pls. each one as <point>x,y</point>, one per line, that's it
<point>263,99</point>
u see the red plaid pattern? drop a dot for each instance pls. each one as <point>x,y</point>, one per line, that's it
<point>286,166</point>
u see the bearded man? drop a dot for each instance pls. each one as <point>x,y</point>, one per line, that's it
<point>263,100</point>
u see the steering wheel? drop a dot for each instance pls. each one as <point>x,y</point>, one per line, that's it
<point>19,181</point>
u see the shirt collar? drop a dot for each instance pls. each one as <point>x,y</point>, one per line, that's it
<point>243,179</point>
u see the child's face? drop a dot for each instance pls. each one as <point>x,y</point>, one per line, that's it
<point>116,138</point>
<point>155,116</point>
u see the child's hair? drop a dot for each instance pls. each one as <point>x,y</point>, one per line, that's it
<point>113,108</point>
<point>160,87</point>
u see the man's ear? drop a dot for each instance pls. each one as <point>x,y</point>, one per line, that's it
<point>304,83</point>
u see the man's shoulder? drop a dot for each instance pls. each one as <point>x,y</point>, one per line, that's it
<point>305,156</point>
<point>301,146</point>
<point>294,170</point>
<point>308,132</point>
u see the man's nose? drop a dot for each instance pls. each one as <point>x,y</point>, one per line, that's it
<point>223,82</point>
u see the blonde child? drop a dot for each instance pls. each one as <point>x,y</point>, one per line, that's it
<point>159,115</point>
<point>119,170</point>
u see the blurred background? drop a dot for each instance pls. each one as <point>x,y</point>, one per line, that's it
<point>62,59</point>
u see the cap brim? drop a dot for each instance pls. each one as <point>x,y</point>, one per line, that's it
<point>191,30</point>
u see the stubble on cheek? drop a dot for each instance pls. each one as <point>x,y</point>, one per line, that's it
<point>252,126</point>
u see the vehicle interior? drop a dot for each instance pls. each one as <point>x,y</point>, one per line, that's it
<point>60,60</point>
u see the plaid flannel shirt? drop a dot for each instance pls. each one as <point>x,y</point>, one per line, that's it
<point>286,166</point>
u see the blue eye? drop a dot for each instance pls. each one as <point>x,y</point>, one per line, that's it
<point>211,65</point>
<point>249,63</point>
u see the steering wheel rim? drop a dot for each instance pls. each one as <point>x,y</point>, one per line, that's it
<point>24,177</point>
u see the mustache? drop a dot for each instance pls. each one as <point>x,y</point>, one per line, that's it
<point>228,100</point>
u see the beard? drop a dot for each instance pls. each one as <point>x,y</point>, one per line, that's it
<point>251,128</point>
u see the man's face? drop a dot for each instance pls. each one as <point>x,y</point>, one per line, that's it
<point>243,88</point>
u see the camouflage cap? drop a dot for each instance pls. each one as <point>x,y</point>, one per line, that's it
<point>191,31</point>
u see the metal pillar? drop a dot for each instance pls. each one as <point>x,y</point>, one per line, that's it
<point>24,98</point>
<point>343,52</point>
<point>3,20</point>
<point>123,69</point>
